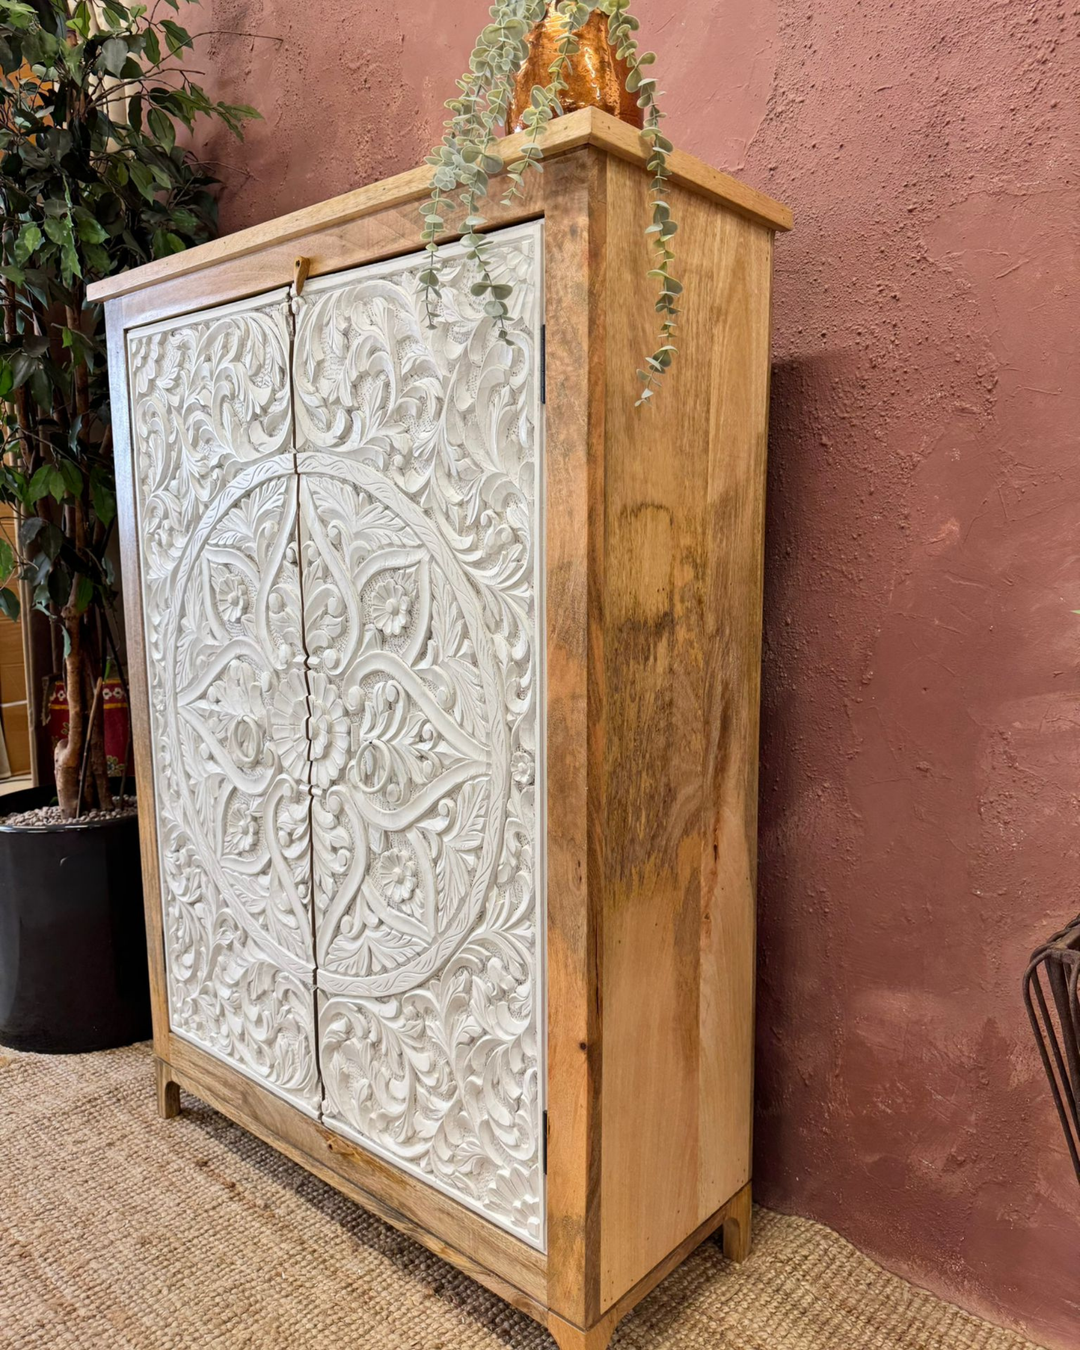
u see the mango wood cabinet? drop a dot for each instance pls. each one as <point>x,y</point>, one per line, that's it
<point>445,678</point>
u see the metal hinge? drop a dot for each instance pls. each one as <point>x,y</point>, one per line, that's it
<point>545,1142</point>
<point>543,363</point>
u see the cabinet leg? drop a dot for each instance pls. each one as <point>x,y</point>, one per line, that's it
<point>568,1337</point>
<point>168,1092</point>
<point>737,1226</point>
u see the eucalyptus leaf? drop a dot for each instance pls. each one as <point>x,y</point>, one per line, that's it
<point>468,158</point>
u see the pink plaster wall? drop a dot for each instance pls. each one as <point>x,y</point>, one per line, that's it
<point>921,740</point>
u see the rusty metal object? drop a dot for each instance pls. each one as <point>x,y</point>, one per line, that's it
<point>1055,1021</point>
<point>596,78</point>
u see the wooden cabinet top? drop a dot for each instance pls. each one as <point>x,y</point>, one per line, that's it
<point>588,127</point>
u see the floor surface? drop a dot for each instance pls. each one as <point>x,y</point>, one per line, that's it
<point>121,1231</point>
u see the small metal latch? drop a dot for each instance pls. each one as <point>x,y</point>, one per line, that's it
<point>301,268</point>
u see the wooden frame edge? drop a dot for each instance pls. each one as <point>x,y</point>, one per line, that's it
<point>587,126</point>
<point>355,1174</point>
<point>734,1217</point>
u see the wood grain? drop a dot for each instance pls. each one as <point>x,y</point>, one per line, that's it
<point>738,1226</point>
<point>732,1219</point>
<point>575,242</point>
<point>742,263</point>
<point>568,1337</point>
<point>684,492</point>
<point>168,1091</point>
<point>514,1270</point>
<point>588,126</point>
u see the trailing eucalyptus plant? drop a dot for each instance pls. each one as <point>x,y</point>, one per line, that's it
<point>92,180</point>
<point>467,158</point>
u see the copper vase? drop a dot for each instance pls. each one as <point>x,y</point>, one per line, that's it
<point>596,78</point>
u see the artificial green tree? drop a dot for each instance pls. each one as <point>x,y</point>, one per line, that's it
<point>92,180</point>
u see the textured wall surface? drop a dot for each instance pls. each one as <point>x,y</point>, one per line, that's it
<point>921,751</point>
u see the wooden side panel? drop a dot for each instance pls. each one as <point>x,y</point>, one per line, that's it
<point>575,255</point>
<point>684,489</point>
<point>733,612</point>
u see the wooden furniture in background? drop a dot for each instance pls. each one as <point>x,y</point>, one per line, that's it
<point>445,673</point>
<point>14,708</point>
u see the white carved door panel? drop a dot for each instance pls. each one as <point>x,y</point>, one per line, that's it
<point>419,452</point>
<point>217,500</point>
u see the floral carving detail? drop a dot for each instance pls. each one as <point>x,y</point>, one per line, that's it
<point>398,876</point>
<point>417,454</point>
<point>390,606</point>
<point>344,694</point>
<point>210,418</point>
<point>328,732</point>
<point>523,768</point>
<point>232,597</point>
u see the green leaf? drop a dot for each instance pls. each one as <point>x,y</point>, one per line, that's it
<point>30,529</point>
<point>165,242</point>
<point>80,20</point>
<point>143,180</point>
<point>104,503</point>
<point>9,604</point>
<point>7,558</point>
<point>50,542</point>
<point>84,593</point>
<point>116,15</point>
<point>98,258</point>
<point>89,230</point>
<point>176,38</point>
<point>72,477</point>
<point>41,388</point>
<point>30,239</point>
<point>161,126</point>
<point>114,53</point>
<point>57,486</point>
<point>152,46</point>
<point>39,484</point>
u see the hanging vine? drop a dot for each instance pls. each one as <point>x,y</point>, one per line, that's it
<point>467,158</point>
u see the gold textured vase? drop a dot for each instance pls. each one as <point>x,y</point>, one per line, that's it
<point>596,77</point>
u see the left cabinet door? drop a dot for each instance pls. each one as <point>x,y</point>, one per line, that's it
<point>217,494</point>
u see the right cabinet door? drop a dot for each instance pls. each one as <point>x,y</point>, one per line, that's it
<point>420,504</point>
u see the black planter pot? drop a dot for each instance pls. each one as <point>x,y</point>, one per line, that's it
<point>73,973</point>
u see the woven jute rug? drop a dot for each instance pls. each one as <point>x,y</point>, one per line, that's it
<point>123,1231</point>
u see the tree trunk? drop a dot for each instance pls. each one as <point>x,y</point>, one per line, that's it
<point>68,759</point>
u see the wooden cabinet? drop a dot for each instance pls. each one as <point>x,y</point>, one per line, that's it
<point>445,680</point>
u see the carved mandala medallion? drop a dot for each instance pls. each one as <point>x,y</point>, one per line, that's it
<point>343,628</point>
